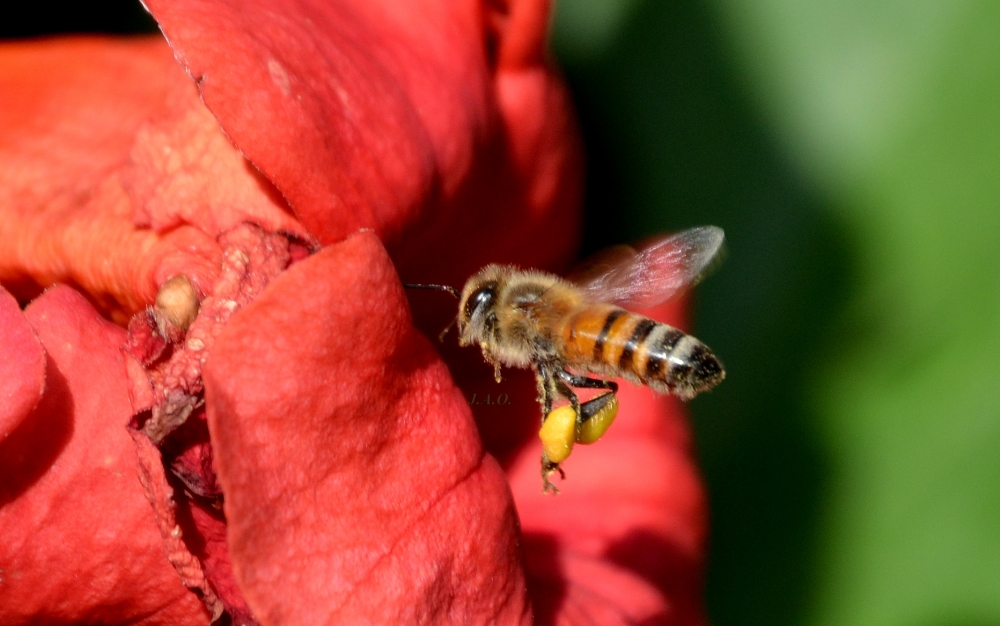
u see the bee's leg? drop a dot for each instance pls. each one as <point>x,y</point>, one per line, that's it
<point>543,378</point>
<point>491,359</point>
<point>563,390</point>
<point>594,405</point>
<point>549,386</point>
<point>549,468</point>
<point>582,382</point>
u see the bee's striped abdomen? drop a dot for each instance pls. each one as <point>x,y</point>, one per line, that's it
<point>611,341</point>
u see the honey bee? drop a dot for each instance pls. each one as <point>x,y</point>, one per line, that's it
<point>576,332</point>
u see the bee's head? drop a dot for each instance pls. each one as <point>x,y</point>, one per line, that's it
<point>477,317</point>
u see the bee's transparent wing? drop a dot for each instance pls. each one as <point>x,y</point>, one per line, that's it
<point>652,274</point>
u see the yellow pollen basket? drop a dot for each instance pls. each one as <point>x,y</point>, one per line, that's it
<point>595,427</point>
<point>560,430</point>
<point>558,433</point>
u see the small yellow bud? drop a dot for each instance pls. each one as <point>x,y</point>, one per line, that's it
<point>177,303</point>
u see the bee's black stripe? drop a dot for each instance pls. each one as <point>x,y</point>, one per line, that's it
<point>642,330</point>
<point>669,341</point>
<point>705,367</point>
<point>656,361</point>
<point>655,364</point>
<point>609,321</point>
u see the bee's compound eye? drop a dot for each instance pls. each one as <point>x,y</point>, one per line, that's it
<point>481,299</point>
<point>558,434</point>
<point>598,414</point>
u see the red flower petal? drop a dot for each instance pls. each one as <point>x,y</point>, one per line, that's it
<point>79,541</point>
<point>22,369</point>
<point>353,478</point>
<point>105,139</point>
<point>355,485</point>
<point>436,123</point>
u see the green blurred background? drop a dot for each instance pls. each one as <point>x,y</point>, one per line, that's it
<point>851,150</point>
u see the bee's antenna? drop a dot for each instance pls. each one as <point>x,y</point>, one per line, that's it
<point>447,328</point>
<point>451,290</point>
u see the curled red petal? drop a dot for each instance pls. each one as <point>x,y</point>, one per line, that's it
<point>79,541</point>
<point>113,176</point>
<point>437,123</point>
<point>22,368</point>
<point>356,487</point>
<point>332,115</point>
